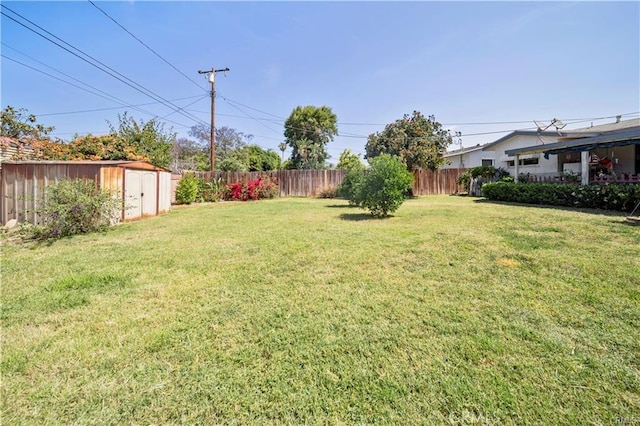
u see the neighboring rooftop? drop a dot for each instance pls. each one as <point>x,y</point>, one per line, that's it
<point>608,127</point>
<point>463,150</point>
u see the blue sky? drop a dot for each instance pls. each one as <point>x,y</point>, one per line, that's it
<point>506,63</point>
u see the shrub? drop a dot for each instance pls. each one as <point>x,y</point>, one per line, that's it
<point>620,197</point>
<point>211,191</point>
<point>485,173</point>
<point>384,186</point>
<point>187,189</point>
<point>263,187</point>
<point>327,192</point>
<point>350,187</point>
<point>73,207</point>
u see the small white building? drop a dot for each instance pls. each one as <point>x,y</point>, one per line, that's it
<point>466,158</point>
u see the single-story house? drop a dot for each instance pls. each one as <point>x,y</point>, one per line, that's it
<point>529,163</point>
<point>468,157</point>
<point>606,153</point>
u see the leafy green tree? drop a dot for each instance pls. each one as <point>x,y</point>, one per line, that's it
<point>383,188</point>
<point>148,139</point>
<point>251,158</point>
<point>227,141</point>
<point>261,160</point>
<point>188,154</point>
<point>17,124</point>
<point>349,161</point>
<point>420,141</point>
<point>308,130</point>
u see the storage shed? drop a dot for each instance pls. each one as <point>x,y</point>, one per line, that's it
<point>145,189</point>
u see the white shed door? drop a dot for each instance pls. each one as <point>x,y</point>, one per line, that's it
<point>148,195</point>
<point>140,194</point>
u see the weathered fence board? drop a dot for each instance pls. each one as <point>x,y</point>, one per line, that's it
<point>309,183</point>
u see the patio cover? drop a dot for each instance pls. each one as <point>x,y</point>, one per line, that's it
<point>629,137</point>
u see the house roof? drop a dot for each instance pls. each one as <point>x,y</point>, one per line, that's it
<point>517,133</point>
<point>463,151</point>
<point>609,139</point>
<point>603,128</point>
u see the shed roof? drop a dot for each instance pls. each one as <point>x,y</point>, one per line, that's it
<point>127,164</point>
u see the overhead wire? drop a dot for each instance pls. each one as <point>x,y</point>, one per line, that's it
<point>100,93</point>
<point>146,45</point>
<point>102,67</point>
<point>111,108</point>
<point>124,105</point>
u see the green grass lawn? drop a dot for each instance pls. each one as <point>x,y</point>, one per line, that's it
<point>296,310</point>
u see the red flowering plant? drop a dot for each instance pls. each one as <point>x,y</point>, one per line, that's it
<point>263,187</point>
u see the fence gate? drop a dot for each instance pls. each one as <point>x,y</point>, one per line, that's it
<point>140,194</point>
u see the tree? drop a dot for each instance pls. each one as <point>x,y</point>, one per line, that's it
<point>189,155</point>
<point>261,160</point>
<point>419,141</point>
<point>147,139</point>
<point>251,158</point>
<point>349,161</point>
<point>227,140</point>
<point>307,131</point>
<point>17,124</point>
<point>382,189</point>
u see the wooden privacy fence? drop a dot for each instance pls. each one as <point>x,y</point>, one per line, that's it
<point>309,183</point>
<point>442,181</point>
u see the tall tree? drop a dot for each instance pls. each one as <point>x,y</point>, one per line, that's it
<point>308,130</point>
<point>18,124</point>
<point>227,140</point>
<point>148,139</point>
<point>420,141</point>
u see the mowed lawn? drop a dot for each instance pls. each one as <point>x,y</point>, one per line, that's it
<point>454,310</point>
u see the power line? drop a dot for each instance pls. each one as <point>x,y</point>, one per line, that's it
<point>124,104</point>
<point>101,93</point>
<point>129,83</point>
<point>111,108</point>
<point>145,45</point>
<point>184,107</point>
<point>248,115</point>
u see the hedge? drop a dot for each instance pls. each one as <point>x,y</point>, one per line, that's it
<point>619,197</point>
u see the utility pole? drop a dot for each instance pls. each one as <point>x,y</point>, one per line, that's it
<point>212,79</point>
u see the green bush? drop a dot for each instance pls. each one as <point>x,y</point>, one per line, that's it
<point>486,173</point>
<point>384,186</point>
<point>351,185</point>
<point>619,197</point>
<point>210,191</point>
<point>73,207</point>
<point>187,189</point>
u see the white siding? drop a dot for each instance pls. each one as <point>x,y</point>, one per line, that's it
<point>544,166</point>
<point>468,159</point>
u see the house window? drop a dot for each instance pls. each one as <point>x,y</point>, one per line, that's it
<point>487,162</point>
<point>524,162</point>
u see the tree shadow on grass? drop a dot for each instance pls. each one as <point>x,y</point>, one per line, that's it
<point>599,212</point>
<point>341,206</point>
<point>357,217</point>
